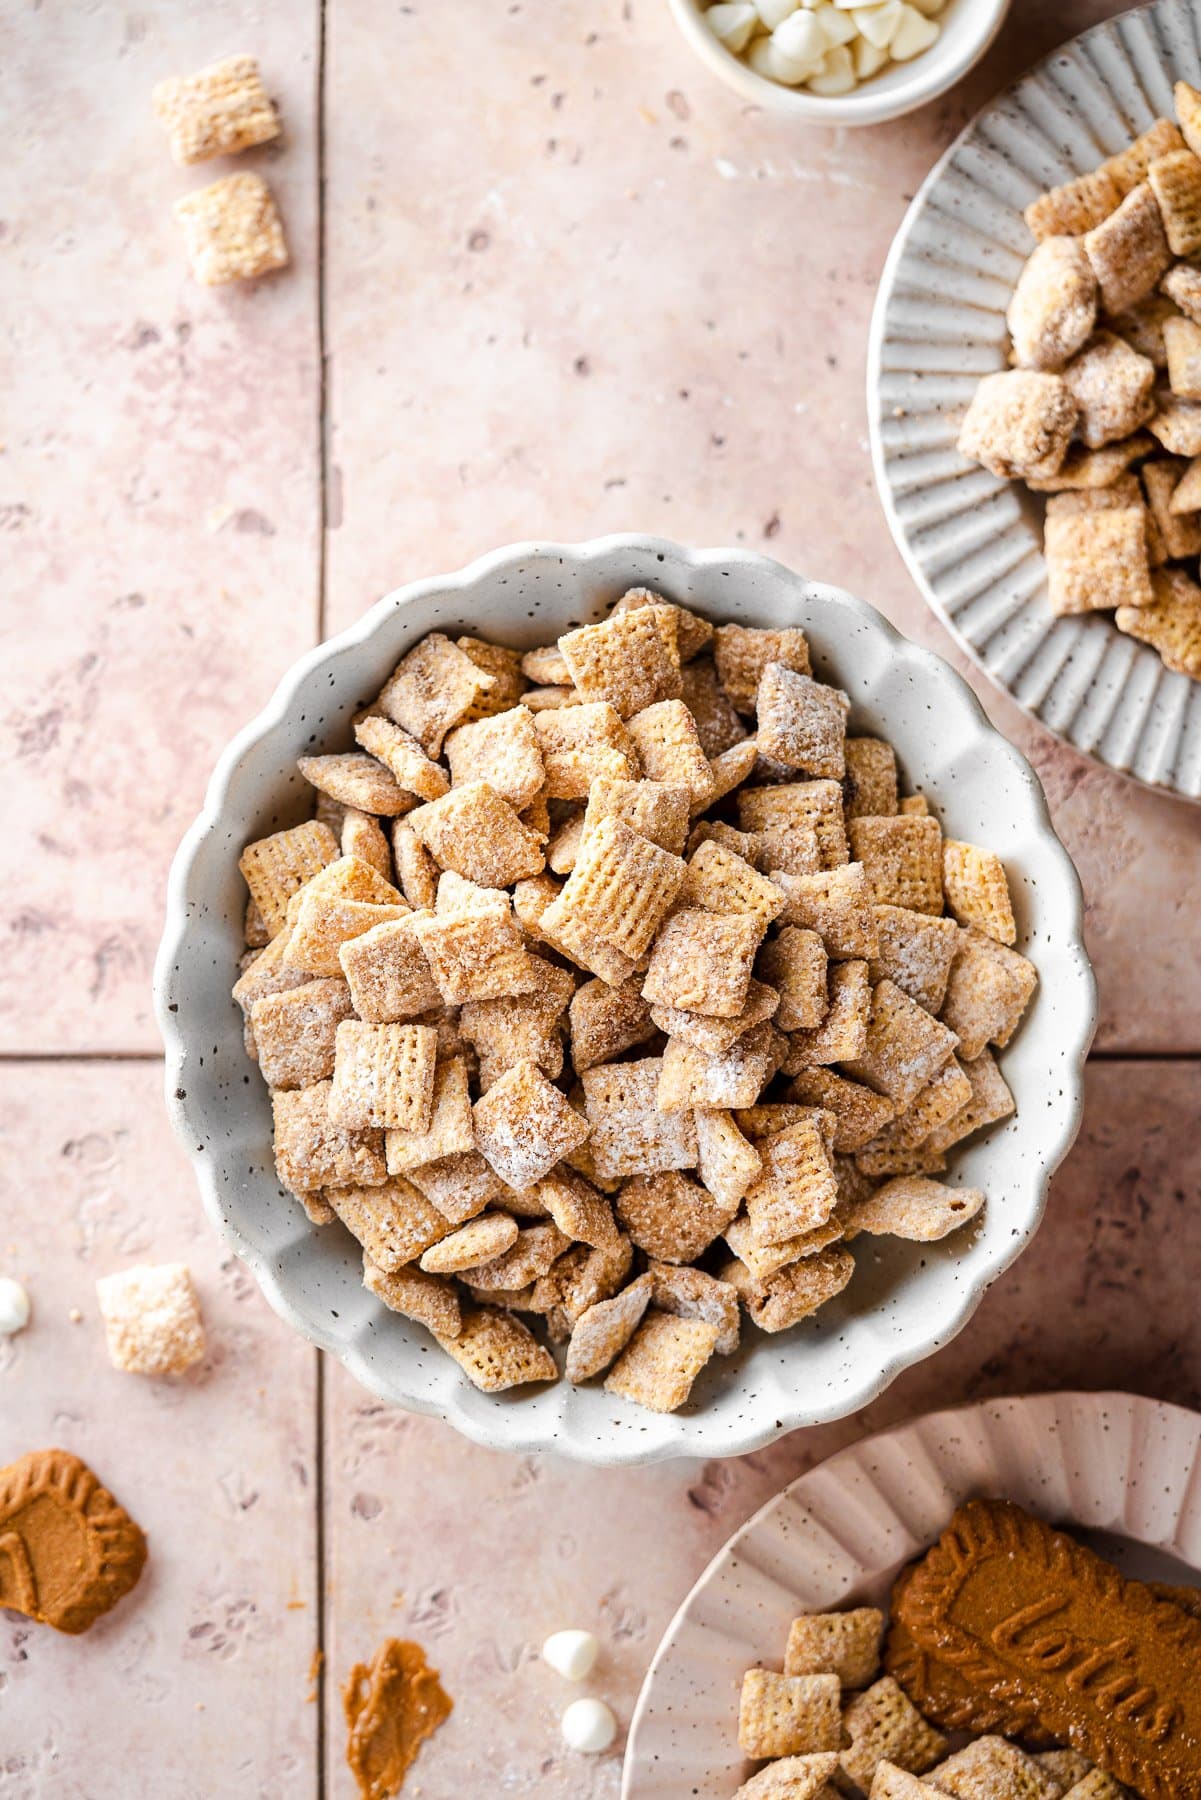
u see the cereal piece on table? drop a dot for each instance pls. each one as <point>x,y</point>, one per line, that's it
<point>914,1207</point>
<point>717,722</point>
<point>478,835</point>
<point>1075,207</point>
<point>884,1726</point>
<point>325,922</point>
<point>1131,165</point>
<point>607,1020</point>
<point>673,1218</point>
<point>860,1113</point>
<point>429,1300</point>
<point>669,749</point>
<point>504,666</point>
<point>450,1131</point>
<point>726,1163</point>
<point>816,804</point>
<point>358,780</point>
<point>915,950</point>
<point>730,1078</point>
<point>486,1236</point>
<point>1128,250</point>
<point>219,111</point>
<point>232,231</point>
<point>1113,387</point>
<point>313,1151</point>
<point>715,1035</point>
<point>654,809</point>
<point>1177,425</point>
<point>1179,529</point>
<point>275,867</point>
<point>631,659</point>
<point>692,632</point>
<point>846,1644</point>
<point>702,962</point>
<point>662,1361</point>
<point>902,858</point>
<point>994,1769</point>
<point>432,688</point>
<point>364,837</point>
<point>383,1076</point>
<point>393,1221</point>
<point>792,1778</point>
<point>496,1351</point>
<point>842,1033</point>
<point>720,881</point>
<point>294,1032</point>
<point>151,1319</point>
<point>837,904</point>
<point>1097,560</point>
<point>1019,422</point>
<point>620,889</point>
<point>459,1186</point>
<point>1183,340</point>
<point>523,1126</point>
<point>988,992</point>
<point>905,1047</point>
<point>787,1715</point>
<point>475,955</point>
<point>629,1133</point>
<point>989,1100</point>
<point>795,1292</point>
<point>689,1293</point>
<point>416,870</point>
<point>402,756</point>
<point>870,784</point>
<point>580,744</point>
<point>388,972</point>
<point>582,1215</point>
<point>1185,496</point>
<point>742,652</point>
<point>794,963</point>
<point>534,1251</point>
<point>1171,624</point>
<point>755,1262</point>
<point>1176,183</point>
<point>802,723</point>
<point>1054,305</point>
<point>546,667</point>
<point>977,889</point>
<point>504,750</point>
<point>795,1189</point>
<point>603,1330</point>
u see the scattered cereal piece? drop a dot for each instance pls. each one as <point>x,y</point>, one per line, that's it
<point>504,750</point>
<point>388,973</point>
<point>459,1186</point>
<point>662,1361</point>
<point>495,1351</point>
<point>846,1644</point>
<point>802,723</point>
<point>837,905</point>
<point>216,112</point>
<point>916,1208</point>
<point>729,1078</point>
<point>1131,165</point>
<point>1085,470</point>
<point>654,809</point>
<point>795,1190</point>
<point>450,1131</point>
<point>151,1319</point>
<point>1019,422</point>
<point>813,804</point>
<point>1177,425</point>
<point>719,880</point>
<point>478,835</point>
<point>1097,560</point>
<point>383,1076</point>
<point>364,838</point>
<point>692,633</point>
<point>788,1715</point>
<point>416,870</point>
<point>232,231</point>
<point>1182,340</point>
<point>794,964</point>
<point>607,1020</point>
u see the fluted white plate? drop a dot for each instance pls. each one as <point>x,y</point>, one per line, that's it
<point>905,1299</point>
<point>1123,1468</point>
<point>972,542</point>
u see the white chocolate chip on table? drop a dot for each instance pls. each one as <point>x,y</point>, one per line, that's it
<point>826,46</point>
<point>588,1726</point>
<point>14,1307</point>
<point>571,1654</point>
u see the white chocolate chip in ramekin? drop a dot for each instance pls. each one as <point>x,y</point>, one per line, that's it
<point>774,12</point>
<point>913,34</point>
<point>732,24</point>
<point>878,23</point>
<point>836,75</point>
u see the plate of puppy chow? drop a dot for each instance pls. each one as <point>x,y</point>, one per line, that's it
<point>1035,392</point>
<point>626,1049</point>
<point>997,1602</point>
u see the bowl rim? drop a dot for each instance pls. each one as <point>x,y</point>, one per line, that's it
<point>865,105</point>
<point>504,1428</point>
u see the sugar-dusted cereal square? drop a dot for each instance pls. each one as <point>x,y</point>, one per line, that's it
<point>400,753</point>
<point>504,750</point>
<point>1128,250</point>
<point>905,1047</point>
<point>692,633</point>
<point>1113,387</point>
<point>988,1101</point>
<point>620,889</point>
<point>459,1186</point>
<point>504,666</point>
<point>518,1028</point>
<point>883,1725</point>
<point>325,922</point>
<point>860,1113</point>
<point>977,889</point>
<point>837,904</point>
<point>416,871</point>
<point>1182,340</point>
<point>531,1255</point>
<point>577,1280</point>
<point>1171,624</point>
<point>989,989</point>
<point>581,1213</point>
<point>689,1293</point>
<point>1177,425</point>
<point>580,744</point>
<point>631,659</point>
<point>742,652</point>
<point>1175,181</point>
<point>712,1034</point>
<point>568,934</point>
<point>496,1351</point>
<point>726,1162</point>
<point>756,1262</point>
<point>546,667</point>
<point>794,963</point>
<point>1019,422</point>
<point>1179,526</point>
<point>771,811</point>
<point>523,1126</point>
<point>486,1236</point>
<point>733,767</point>
<point>607,1020</point>
<point>842,1033</point>
<point>933,1106</point>
<point>902,858</point>
<point>267,972</point>
<point>870,784</point>
<point>388,973</point>
<point>393,1220</point>
<point>846,1644</point>
<point>275,867</point>
<point>477,834</point>
<point>662,1361</point>
<point>913,1207</point>
<point>802,723</point>
<point>792,1778</point>
<point>218,111</point>
<point>630,1135</point>
<point>358,780</point>
<point>1075,207</point>
<point>1054,305</point>
<point>916,951</point>
<point>795,1189</point>
<point>669,749</point>
<point>702,961</point>
<point>313,1151</point>
<point>152,1321</point>
<point>1130,166</point>
<point>435,686</point>
<point>429,1299</point>
<point>719,880</point>
<point>232,231</point>
<point>364,837</point>
<point>295,1030</point>
<point>348,878</point>
<point>654,809</point>
<point>450,1131</point>
<point>383,1076</point>
<point>994,1769</point>
<point>603,1330</point>
<point>802,1287</point>
<point>1088,471</point>
<point>717,722</point>
<point>787,1715</point>
<point>734,1077</point>
<point>670,1216</point>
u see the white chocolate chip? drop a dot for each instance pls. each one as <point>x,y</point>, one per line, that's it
<point>732,25</point>
<point>837,73</point>
<point>829,46</point>
<point>913,34</point>
<point>801,40</point>
<point>764,57</point>
<point>14,1307</point>
<point>774,12</point>
<point>878,23</point>
<point>588,1725</point>
<point>839,27</point>
<point>868,59</point>
<point>931,8</point>
<point>571,1654</point>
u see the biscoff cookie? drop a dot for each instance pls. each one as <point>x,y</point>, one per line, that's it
<point>70,1552</point>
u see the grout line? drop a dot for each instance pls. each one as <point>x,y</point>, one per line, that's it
<point>322,607</point>
<point>319,1496</point>
<point>81,1056</point>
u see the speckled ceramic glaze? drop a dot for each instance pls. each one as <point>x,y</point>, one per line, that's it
<point>972,541</point>
<point>1117,1465</point>
<point>906,1299</point>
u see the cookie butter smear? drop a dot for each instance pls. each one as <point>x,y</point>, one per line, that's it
<point>392,1704</point>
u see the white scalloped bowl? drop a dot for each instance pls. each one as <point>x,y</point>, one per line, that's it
<point>906,1300</point>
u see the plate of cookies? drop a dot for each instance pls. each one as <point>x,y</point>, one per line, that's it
<point>991,1602</point>
<point>1034,392</point>
<point>625,998</point>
